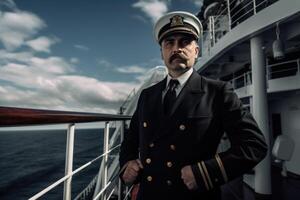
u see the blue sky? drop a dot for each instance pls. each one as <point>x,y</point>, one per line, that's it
<point>78,55</point>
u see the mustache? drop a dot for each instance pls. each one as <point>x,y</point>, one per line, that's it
<point>177,55</point>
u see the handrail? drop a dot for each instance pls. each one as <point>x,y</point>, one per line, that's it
<point>50,187</point>
<point>282,63</point>
<point>235,14</point>
<point>128,192</point>
<point>122,107</point>
<point>242,8</point>
<point>245,78</point>
<point>11,116</point>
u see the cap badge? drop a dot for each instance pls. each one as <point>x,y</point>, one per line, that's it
<point>177,20</point>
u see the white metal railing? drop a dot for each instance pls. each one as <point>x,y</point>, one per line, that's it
<point>241,80</point>
<point>232,13</point>
<point>283,69</point>
<point>128,193</point>
<point>274,71</point>
<point>69,161</point>
<point>69,173</point>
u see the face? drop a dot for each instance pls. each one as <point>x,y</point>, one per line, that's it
<point>179,52</point>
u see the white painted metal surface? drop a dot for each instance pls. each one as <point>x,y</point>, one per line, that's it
<point>262,182</point>
<point>69,161</point>
<point>105,159</point>
<point>252,26</point>
<point>41,193</point>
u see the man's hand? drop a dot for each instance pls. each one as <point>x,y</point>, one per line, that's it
<point>188,177</point>
<point>132,171</point>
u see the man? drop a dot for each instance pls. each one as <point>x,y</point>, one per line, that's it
<point>170,148</point>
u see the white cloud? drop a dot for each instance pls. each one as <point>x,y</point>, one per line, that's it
<point>6,56</point>
<point>10,4</point>
<point>198,3</point>
<point>54,65</point>
<point>131,70</point>
<point>140,18</point>
<point>42,43</point>
<point>81,47</point>
<point>28,80</point>
<point>74,60</point>
<point>104,63</point>
<point>66,92</point>
<point>18,26</point>
<point>50,83</point>
<point>154,9</point>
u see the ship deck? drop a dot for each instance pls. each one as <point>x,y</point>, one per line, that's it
<point>282,188</point>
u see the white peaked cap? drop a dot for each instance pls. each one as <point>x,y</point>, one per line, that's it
<point>177,22</point>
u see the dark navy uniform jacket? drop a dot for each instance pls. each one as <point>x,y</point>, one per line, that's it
<point>203,111</point>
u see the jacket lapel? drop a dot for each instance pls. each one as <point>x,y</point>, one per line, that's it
<point>189,95</point>
<point>187,100</point>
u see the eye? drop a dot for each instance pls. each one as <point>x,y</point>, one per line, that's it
<point>186,41</point>
<point>168,42</point>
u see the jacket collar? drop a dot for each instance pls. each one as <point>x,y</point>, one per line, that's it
<point>190,92</point>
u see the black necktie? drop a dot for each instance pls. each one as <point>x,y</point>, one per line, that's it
<point>170,96</point>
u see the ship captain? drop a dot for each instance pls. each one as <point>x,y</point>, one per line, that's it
<point>170,149</point>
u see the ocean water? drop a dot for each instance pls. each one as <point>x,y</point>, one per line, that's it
<point>32,160</point>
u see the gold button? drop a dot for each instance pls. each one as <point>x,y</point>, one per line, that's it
<point>151,145</point>
<point>169,183</point>
<point>172,147</point>
<point>149,178</point>
<point>148,160</point>
<point>145,124</point>
<point>169,164</point>
<point>182,127</point>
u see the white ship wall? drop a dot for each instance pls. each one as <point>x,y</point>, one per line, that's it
<point>289,108</point>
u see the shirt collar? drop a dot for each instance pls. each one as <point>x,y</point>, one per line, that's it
<point>182,79</point>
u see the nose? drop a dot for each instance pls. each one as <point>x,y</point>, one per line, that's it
<point>176,47</point>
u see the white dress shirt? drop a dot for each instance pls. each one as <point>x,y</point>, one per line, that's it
<point>182,79</point>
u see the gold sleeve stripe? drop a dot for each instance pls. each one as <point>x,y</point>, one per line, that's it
<point>207,174</point>
<point>220,163</point>
<point>203,176</point>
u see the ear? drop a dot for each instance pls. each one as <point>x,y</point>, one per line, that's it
<point>197,49</point>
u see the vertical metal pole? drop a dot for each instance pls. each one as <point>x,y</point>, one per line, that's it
<point>262,179</point>
<point>122,130</point>
<point>213,28</point>
<point>268,72</point>
<point>229,15</point>
<point>212,31</point>
<point>267,69</point>
<point>298,66</point>
<point>233,81</point>
<point>105,158</point>
<point>254,7</point>
<point>69,161</point>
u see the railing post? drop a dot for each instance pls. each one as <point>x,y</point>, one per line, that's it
<point>298,66</point>
<point>69,161</point>
<point>122,130</point>
<point>211,30</point>
<point>254,7</point>
<point>233,82</point>
<point>105,158</point>
<point>229,15</point>
<point>268,68</point>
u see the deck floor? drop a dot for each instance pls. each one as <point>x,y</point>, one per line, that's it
<point>282,189</point>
